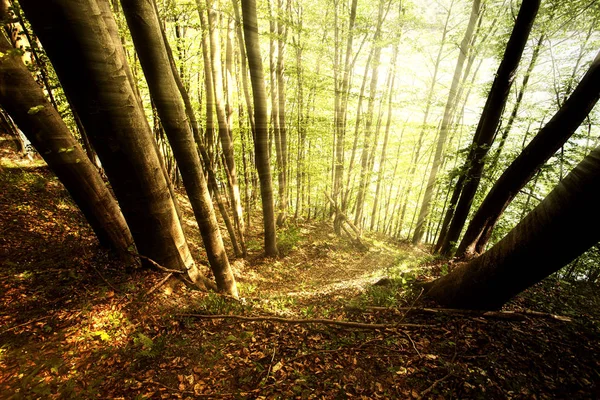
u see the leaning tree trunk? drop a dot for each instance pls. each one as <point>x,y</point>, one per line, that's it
<point>261,141</point>
<point>550,138</point>
<point>561,228</point>
<point>225,134</point>
<point>151,48</point>
<point>106,103</point>
<point>446,121</point>
<point>490,118</point>
<point>24,100</point>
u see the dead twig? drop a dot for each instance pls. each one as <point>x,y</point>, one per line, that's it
<point>105,280</point>
<point>346,324</point>
<point>159,284</point>
<point>24,323</point>
<point>413,343</point>
<point>508,315</point>
<point>433,385</point>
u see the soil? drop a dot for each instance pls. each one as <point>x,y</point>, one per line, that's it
<point>76,323</point>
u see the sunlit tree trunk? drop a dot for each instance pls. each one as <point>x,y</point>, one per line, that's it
<point>551,235</point>
<point>341,105</point>
<point>365,169</point>
<point>146,32</point>
<point>26,103</point>
<point>490,118</point>
<point>382,158</point>
<point>261,142</point>
<point>225,134</point>
<point>549,139</point>
<point>104,99</point>
<point>446,122</point>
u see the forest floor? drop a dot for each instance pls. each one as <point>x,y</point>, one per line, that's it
<point>75,323</point>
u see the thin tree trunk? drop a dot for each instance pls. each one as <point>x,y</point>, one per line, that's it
<point>341,110</point>
<point>224,129</point>
<point>146,32</point>
<point>261,141</point>
<point>446,122</point>
<point>490,118</point>
<point>365,171</point>
<point>382,159</point>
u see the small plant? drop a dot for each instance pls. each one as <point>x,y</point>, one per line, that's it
<point>288,239</point>
<point>147,347</point>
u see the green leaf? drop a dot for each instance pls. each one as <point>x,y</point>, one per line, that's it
<point>35,110</point>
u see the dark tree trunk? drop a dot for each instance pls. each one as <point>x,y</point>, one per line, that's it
<point>556,232</point>
<point>549,140</point>
<point>104,99</point>
<point>47,132</point>
<point>261,142</point>
<point>490,118</point>
<point>446,121</point>
<point>151,48</point>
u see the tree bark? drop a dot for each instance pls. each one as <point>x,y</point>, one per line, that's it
<point>550,237</point>
<point>106,103</point>
<point>26,103</point>
<point>549,140</point>
<point>146,32</point>
<point>261,142</point>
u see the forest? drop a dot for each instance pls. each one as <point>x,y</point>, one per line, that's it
<point>297,199</point>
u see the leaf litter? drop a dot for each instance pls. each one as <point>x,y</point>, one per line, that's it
<point>75,323</point>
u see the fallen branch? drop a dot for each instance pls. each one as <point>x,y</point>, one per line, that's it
<point>203,283</point>
<point>159,284</point>
<point>105,280</point>
<point>433,385</point>
<point>346,324</point>
<point>508,315</point>
<point>24,323</point>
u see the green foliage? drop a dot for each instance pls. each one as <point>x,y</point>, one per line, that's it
<point>288,239</point>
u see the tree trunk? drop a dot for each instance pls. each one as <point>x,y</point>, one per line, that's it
<point>446,122</point>
<point>105,101</point>
<point>261,142</point>
<point>341,110</point>
<point>364,159</point>
<point>490,118</point>
<point>26,103</point>
<point>549,139</point>
<point>382,159</point>
<point>146,32</point>
<point>224,128</point>
<point>550,237</point>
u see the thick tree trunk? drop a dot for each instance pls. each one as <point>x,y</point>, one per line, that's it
<point>106,103</point>
<point>261,142</point>
<point>549,140</point>
<point>557,231</point>
<point>490,118</point>
<point>26,103</point>
<point>151,48</point>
